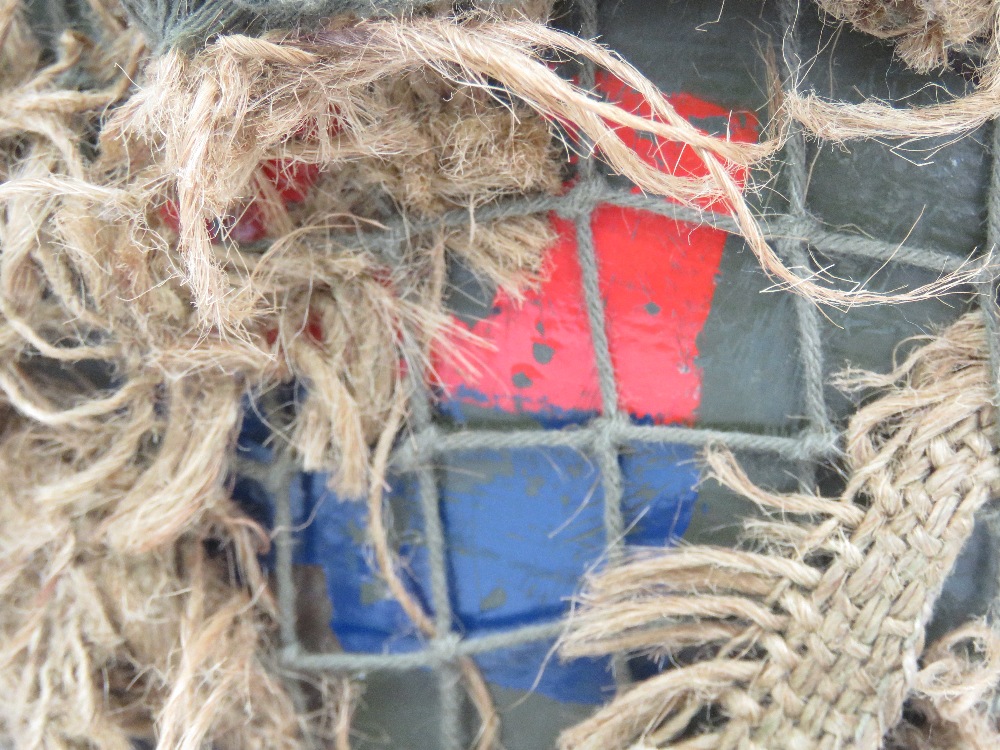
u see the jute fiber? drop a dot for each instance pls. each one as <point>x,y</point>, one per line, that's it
<point>186,231</point>
<point>924,31</point>
<point>812,636</point>
<point>138,314</point>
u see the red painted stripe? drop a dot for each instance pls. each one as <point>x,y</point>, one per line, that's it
<point>657,278</point>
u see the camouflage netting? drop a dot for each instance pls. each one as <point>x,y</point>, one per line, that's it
<point>195,205</point>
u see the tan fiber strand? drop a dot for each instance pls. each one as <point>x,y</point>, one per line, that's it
<point>386,561</point>
<point>137,318</point>
<point>126,565</point>
<point>814,637</point>
<point>215,116</point>
<point>925,32</point>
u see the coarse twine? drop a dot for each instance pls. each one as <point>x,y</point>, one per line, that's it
<point>812,635</point>
<point>927,33</point>
<point>133,325</point>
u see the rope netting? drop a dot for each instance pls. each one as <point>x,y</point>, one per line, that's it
<point>794,234</point>
<point>144,581</point>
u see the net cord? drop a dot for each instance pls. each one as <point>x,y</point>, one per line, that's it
<point>793,235</point>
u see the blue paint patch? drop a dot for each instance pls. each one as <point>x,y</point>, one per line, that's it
<point>332,536</point>
<point>255,501</point>
<point>522,527</point>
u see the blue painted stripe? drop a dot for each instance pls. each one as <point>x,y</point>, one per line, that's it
<point>522,527</point>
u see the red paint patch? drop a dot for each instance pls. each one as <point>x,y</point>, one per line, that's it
<point>657,278</point>
<point>538,355</point>
<point>291,180</point>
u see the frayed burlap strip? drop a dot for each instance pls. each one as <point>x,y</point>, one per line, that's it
<point>132,602</point>
<point>925,32</point>
<point>814,637</point>
<point>215,117</point>
<point>134,324</point>
<point>209,121</point>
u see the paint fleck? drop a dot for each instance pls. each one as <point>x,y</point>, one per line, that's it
<point>521,380</point>
<point>372,592</point>
<point>495,600</point>
<point>652,308</point>
<point>542,353</point>
<point>535,485</point>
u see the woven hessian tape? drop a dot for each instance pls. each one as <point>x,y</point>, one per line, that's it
<point>813,639</point>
